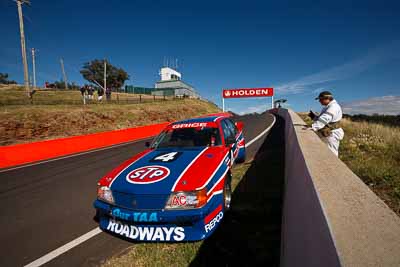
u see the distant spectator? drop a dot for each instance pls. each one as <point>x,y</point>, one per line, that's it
<point>83,90</point>
<point>108,93</point>
<point>100,93</point>
<point>90,92</point>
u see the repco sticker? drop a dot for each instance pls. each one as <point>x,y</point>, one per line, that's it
<point>148,175</point>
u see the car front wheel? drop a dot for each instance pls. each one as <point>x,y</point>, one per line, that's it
<point>227,193</point>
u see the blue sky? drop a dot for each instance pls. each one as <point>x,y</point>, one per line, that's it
<point>298,47</point>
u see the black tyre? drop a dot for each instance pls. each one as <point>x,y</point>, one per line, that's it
<point>227,193</point>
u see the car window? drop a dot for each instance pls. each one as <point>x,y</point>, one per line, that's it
<point>228,132</point>
<point>232,127</point>
<point>188,137</point>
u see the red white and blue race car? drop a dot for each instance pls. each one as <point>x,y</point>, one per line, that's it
<point>179,188</point>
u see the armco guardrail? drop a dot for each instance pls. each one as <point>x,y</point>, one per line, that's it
<point>37,151</point>
<point>330,217</point>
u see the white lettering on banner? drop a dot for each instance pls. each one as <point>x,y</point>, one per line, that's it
<point>146,233</point>
<point>247,92</point>
<point>208,227</point>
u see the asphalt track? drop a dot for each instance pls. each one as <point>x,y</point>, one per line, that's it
<point>45,206</point>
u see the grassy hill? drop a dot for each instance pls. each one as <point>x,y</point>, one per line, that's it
<point>59,113</point>
<point>372,151</point>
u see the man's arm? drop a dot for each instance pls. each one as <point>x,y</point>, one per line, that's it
<point>322,120</point>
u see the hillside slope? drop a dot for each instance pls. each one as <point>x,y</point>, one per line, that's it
<point>26,122</point>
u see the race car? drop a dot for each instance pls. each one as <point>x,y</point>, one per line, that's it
<point>179,188</point>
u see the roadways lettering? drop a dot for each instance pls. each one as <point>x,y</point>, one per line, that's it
<point>146,233</point>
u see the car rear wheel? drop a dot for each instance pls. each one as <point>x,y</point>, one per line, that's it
<point>227,193</point>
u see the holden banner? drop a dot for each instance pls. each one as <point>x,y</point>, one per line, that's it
<point>247,92</point>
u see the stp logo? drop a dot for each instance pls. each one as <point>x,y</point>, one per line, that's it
<point>147,175</point>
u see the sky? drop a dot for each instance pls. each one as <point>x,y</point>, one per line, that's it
<point>300,48</point>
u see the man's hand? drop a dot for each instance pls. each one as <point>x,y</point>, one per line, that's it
<point>312,115</point>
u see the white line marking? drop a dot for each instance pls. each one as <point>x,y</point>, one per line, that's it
<point>75,155</point>
<point>261,134</point>
<point>57,252</point>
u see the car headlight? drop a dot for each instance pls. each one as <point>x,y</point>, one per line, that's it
<point>104,193</point>
<point>187,200</point>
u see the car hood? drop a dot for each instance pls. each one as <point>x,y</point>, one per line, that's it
<point>157,171</point>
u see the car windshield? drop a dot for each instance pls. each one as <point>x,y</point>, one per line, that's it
<point>188,137</point>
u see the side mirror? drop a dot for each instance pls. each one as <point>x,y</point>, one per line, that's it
<point>239,125</point>
<point>147,144</point>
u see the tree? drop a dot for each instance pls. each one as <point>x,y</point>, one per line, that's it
<point>4,79</point>
<point>93,72</point>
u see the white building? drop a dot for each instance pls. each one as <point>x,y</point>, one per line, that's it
<point>168,74</point>
<point>172,85</point>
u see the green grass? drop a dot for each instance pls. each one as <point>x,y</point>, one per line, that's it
<point>372,152</point>
<point>16,95</point>
<point>164,254</point>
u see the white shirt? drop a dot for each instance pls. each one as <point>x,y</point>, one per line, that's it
<point>330,113</point>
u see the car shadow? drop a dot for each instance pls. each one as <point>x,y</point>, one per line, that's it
<point>250,233</point>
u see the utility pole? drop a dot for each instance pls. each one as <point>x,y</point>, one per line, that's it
<point>105,76</point>
<point>64,75</point>
<point>21,29</point>
<point>34,68</point>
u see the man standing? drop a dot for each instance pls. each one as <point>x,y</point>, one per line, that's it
<point>326,124</point>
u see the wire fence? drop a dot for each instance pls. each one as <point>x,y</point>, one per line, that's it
<point>116,99</point>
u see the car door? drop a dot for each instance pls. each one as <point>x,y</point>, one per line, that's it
<point>236,134</point>
<point>229,135</point>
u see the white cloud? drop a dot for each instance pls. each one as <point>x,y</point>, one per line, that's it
<point>389,105</point>
<point>372,58</point>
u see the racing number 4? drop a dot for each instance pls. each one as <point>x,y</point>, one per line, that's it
<point>166,157</point>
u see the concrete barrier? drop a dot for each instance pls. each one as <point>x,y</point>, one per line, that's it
<point>330,217</point>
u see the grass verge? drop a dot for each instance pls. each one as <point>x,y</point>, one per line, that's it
<point>372,152</point>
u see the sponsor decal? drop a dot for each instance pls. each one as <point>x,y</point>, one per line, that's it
<point>179,200</point>
<point>189,125</point>
<point>166,157</point>
<point>247,92</point>
<point>135,216</point>
<point>146,233</point>
<point>148,174</point>
<point>213,218</point>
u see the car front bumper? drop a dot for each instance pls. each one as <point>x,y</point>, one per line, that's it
<point>161,225</point>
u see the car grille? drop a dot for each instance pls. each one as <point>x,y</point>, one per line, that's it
<point>139,201</point>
